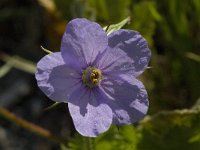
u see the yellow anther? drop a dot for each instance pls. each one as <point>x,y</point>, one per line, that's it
<point>95,71</point>
<point>95,81</point>
<point>91,76</point>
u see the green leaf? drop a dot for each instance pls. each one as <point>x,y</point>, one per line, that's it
<point>108,10</point>
<point>111,28</point>
<point>172,130</point>
<point>193,56</point>
<point>145,15</point>
<point>63,147</point>
<point>121,138</point>
<point>124,138</point>
<point>195,138</point>
<point>154,12</point>
<point>19,63</point>
<point>5,69</point>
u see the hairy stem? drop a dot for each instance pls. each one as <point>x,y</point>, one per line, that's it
<point>30,126</point>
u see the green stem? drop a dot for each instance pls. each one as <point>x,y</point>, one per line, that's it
<point>91,143</point>
<point>88,143</point>
<point>31,127</point>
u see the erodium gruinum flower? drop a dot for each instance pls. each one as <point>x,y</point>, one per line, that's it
<point>96,75</point>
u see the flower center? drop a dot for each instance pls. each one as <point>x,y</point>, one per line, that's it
<point>91,76</point>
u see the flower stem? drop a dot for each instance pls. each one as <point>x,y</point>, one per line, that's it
<point>31,127</point>
<point>91,143</point>
<point>88,143</point>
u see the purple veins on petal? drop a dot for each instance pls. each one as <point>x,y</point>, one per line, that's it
<point>82,41</point>
<point>56,79</point>
<point>132,52</point>
<point>129,99</point>
<point>90,114</point>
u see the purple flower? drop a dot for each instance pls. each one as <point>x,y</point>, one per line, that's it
<point>96,75</point>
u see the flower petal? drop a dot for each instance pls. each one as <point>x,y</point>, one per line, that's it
<point>56,79</point>
<point>82,41</point>
<point>127,52</point>
<point>91,116</point>
<point>129,98</point>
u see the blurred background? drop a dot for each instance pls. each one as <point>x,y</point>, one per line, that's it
<point>172,29</point>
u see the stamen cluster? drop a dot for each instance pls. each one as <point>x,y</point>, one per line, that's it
<point>91,76</point>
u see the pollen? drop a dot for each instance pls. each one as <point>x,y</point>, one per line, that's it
<point>91,76</point>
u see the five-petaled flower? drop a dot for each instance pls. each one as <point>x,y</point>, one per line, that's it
<point>96,75</point>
